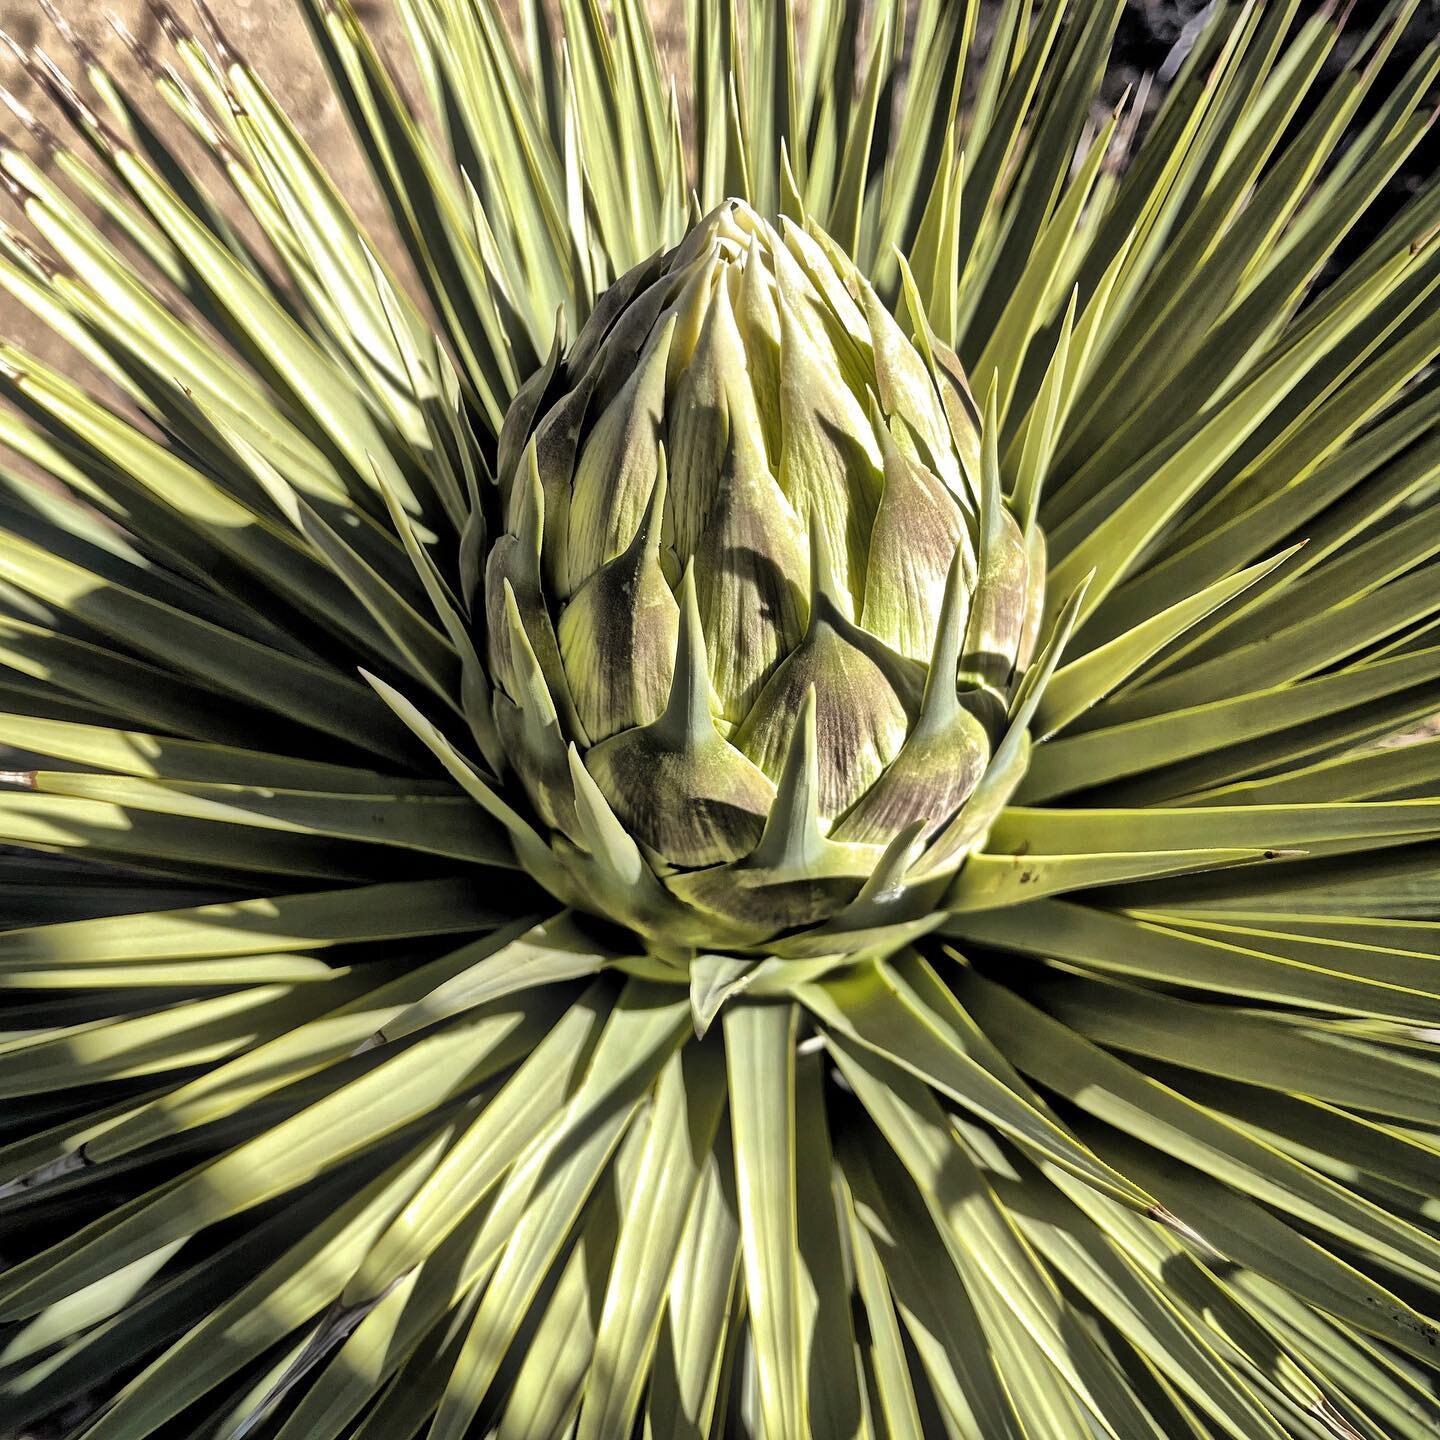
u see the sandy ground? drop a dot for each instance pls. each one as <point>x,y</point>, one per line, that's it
<point>270,33</point>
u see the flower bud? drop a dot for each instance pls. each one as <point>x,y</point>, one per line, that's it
<point>760,569</point>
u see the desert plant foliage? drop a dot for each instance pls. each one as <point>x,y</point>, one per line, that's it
<point>743,793</point>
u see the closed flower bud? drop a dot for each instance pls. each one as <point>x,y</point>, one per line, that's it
<point>760,566</point>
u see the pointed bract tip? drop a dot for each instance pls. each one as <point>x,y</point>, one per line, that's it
<point>652,522</point>
<point>42,262</point>
<point>67,32</point>
<point>65,1164</point>
<point>824,583</point>
<point>21,54</point>
<point>27,117</point>
<point>141,53</point>
<point>1424,241</point>
<point>370,1042</point>
<point>579,775</point>
<point>992,403</point>
<point>168,21</point>
<point>792,829</point>
<point>804,739</point>
<point>940,698</point>
<point>126,35</point>
<point>687,716</point>
<point>790,187</point>
<point>1173,1223</point>
<point>1334,1421</point>
<point>886,880</point>
<point>217,36</point>
<point>61,89</point>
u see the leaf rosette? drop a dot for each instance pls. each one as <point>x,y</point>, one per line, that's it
<point>1047,926</point>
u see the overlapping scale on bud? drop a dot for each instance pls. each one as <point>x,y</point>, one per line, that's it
<point>759,584</point>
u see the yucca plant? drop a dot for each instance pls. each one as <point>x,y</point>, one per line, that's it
<point>756,804</point>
